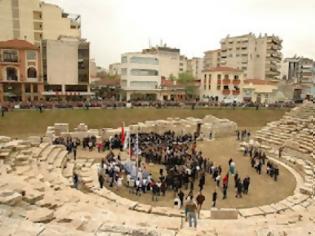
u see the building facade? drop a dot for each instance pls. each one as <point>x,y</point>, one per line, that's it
<point>34,20</point>
<point>140,75</point>
<point>195,67</point>
<point>66,77</point>
<point>298,69</point>
<point>221,84</point>
<point>170,61</point>
<point>258,57</point>
<point>20,70</point>
<point>114,69</point>
<point>211,59</point>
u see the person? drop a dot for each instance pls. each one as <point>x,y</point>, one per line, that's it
<point>191,212</point>
<point>200,199</point>
<point>246,183</point>
<point>202,181</point>
<point>181,197</point>
<point>214,198</point>
<point>155,192</point>
<point>239,189</point>
<point>74,152</point>
<point>217,180</point>
<point>2,111</point>
<point>224,191</point>
<point>101,180</point>
<point>75,179</point>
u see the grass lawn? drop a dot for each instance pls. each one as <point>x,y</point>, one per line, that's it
<point>30,122</point>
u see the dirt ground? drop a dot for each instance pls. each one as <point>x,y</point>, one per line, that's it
<point>262,190</point>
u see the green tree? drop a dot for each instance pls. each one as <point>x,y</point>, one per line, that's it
<point>187,80</point>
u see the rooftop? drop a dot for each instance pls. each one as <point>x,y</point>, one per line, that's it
<point>222,69</point>
<point>17,44</point>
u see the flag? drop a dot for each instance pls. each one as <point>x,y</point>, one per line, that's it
<point>123,134</point>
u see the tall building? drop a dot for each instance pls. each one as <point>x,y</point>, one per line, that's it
<point>195,67</point>
<point>170,60</point>
<point>140,75</point>
<point>20,69</point>
<point>258,57</point>
<point>34,20</point>
<point>211,59</point>
<point>298,69</point>
<point>66,76</point>
<point>65,55</point>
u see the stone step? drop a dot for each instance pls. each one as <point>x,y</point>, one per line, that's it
<point>61,159</point>
<point>53,155</point>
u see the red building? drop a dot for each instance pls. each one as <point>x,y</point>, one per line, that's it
<point>20,71</point>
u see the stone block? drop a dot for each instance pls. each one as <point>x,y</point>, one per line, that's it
<point>10,198</point>
<point>40,215</point>
<point>224,213</point>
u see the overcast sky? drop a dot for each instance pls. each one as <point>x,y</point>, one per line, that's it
<point>117,26</point>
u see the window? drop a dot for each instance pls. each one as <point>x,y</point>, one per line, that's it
<point>11,74</point>
<point>209,81</point>
<point>35,89</point>
<point>10,56</point>
<point>144,60</point>
<point>123,71</point>
<point>124,60</point>
<point>226,76</point>
<point>257,55</point>
<point>235,77</point>
<point>27,88</point>
<point>225,87</point>
<point>31,72</point>
<point>144,72</point>
<point>31,55</point>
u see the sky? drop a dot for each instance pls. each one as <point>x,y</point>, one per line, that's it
<point>117,26</point>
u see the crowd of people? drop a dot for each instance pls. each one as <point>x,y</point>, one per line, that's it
<point>184,169</point>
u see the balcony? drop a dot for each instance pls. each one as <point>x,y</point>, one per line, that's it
<point>226,81</point>
<point>236,92</point>
<point>226,92</point>
<point>236,81</point>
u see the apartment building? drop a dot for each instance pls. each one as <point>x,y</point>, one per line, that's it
<point>114,69</point>
<point>20,69</point>
<point>170,61</point>
<point>66,71</point>
<point>34,20</point>
<point>211,59</point>
<point>195,67</point>
<point>298,69</point>
<point>258,57</point>
<point>140,75</point>
<point>221,83</point>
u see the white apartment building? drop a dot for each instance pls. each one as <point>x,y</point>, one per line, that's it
<point>258,57</point>
<point>170,60</point>
<point>195,67</point>
<point>221,83</point>
<point>34,20</point>
<point>211,59</point>
<point>140,75</point>
<point>298,69</point>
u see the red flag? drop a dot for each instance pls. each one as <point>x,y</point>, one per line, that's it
<point>122,134</point>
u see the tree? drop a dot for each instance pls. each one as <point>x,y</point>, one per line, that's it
<point>188,81</point>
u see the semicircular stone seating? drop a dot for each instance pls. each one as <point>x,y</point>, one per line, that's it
<point>37,197</point>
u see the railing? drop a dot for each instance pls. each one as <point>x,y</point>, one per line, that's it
<point>226,81</point>
<point>236,92</point>
<point>226,91</point>
<point>236,81</point>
